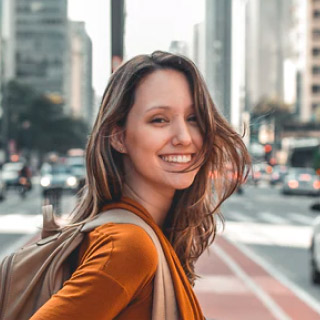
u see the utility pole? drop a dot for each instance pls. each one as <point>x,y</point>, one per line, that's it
<point>117,33</point>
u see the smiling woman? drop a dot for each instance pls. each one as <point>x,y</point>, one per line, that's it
<point>156,142</point>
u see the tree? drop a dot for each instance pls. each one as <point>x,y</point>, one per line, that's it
<point>273,110</point>
<point>39,124</point>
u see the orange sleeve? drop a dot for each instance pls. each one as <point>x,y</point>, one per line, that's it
<point>119,261</point>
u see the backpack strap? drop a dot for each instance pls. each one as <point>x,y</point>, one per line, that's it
<point>50,226</point>
<point>164,300</point>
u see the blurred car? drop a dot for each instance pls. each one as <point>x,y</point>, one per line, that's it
<point>315,248</point>
<point>10,173</point>
<point>78,169</point>
<point>58,176</point>
<point>259,173</point>
<point>3,189</point>
<point>301,181</point>
<point>278,173</point>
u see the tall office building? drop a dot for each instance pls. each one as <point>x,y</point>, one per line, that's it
<point>225,56</point>
<point>42,45</point>
<point>270,53</point>
<point>8,39</point>
<point>80,76</point>
<point>310,110</point>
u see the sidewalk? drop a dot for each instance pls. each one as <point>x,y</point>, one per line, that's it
<point>234,287</point>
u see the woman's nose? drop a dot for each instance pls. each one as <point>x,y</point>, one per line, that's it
<point>181,133</point>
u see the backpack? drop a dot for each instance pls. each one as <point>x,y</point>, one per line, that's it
<point>30,276</point>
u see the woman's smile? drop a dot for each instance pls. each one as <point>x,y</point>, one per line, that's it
<point>177,158</point>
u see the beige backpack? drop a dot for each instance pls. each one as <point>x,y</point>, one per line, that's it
<point>30,276</point>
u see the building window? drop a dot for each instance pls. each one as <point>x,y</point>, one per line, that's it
<point>316,52</point>
<point>316,14</point>
<point>316,88</point>
<point>316,70</point>
<point>316,34</point>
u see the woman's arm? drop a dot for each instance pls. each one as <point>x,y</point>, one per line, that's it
<point>119,261</point>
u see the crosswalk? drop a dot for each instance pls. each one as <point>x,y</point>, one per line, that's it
<point>266,228</point>
<point>289,218</point>
<point>19,223</point>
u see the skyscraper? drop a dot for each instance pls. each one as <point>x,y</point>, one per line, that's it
<point>41,45</point>
<point>310,110</point>
<point>80,98</point>
<point>225,56</point>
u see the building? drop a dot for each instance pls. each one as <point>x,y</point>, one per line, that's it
<point>199,43</point>
<point>41,46</point>
<point>8,40</point>
<point>311,88</point>
<point>225,57</point>
<point>271,55</point>
<point>80,89</point>
<point>179,47</point>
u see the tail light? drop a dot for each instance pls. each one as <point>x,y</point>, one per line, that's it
<point>293,184</point>
<point>316,185</point>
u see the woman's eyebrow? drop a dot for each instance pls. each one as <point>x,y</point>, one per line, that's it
<point>190,107</point>
<point>158,107</point>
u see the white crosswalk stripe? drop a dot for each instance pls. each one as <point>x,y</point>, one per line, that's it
<point>266,234</point>
<point>24,224</point>
<point>291,218</point>
<point>20,223</point>
<point>270,217</point>
<point>301,218</point>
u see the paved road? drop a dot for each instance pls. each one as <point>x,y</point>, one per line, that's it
<point>21,218</point>
<point>272,229</point>
<point>262,271</point>
<point>276,228</point>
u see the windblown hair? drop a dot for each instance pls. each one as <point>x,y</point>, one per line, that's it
<point>192,220</point>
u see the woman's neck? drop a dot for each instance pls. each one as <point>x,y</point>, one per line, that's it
<point>157,204</point>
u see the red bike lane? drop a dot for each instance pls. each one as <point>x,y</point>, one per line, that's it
<point>234,287</point>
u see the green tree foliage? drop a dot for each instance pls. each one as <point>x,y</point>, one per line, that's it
<point>37,123</point>
<point>273,111</point>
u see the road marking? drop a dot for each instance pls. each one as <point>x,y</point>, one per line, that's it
<point>302,294</point>
<point>238,216</point>
<point>259,233</point>
<point>220,284</point>
<point>272,218</point>
<point>301,218</point>
<point>272,306</point>
<point>20,223</point>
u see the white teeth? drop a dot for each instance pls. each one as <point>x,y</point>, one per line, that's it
<point>177,159</point>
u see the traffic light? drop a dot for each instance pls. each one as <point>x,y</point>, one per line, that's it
<point>267,152</point>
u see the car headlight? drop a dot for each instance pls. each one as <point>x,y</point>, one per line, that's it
<point>45,181</point>
<point>71,181</point>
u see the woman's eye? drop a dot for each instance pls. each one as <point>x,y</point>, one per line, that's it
<point>193,118</point>
<point>158,120</point>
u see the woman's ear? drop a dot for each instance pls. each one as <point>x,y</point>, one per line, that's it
<point>117,139</point>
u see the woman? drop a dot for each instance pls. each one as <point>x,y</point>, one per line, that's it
<point>156,144</point>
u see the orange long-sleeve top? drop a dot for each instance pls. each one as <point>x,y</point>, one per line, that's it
<point>114,277</point>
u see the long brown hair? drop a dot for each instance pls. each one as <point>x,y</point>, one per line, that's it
<point>191,222</point>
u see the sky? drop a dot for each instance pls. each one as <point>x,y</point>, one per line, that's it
<point>150,25</point>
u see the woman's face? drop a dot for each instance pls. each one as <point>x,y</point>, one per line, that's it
<point>162,136</point>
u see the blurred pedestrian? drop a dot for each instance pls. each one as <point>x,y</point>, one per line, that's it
<point>156,144</point>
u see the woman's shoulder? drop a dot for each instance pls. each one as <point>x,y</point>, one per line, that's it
<point>123,243</point>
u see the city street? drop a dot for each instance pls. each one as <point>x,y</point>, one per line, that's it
<point>261,224</point>
<point>274,232</point>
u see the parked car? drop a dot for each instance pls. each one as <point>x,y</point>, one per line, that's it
<point>57,176</point>
<point>301,181</point>
<point>10,173</point>
<point>278,173</point>
<point>315,248</point>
